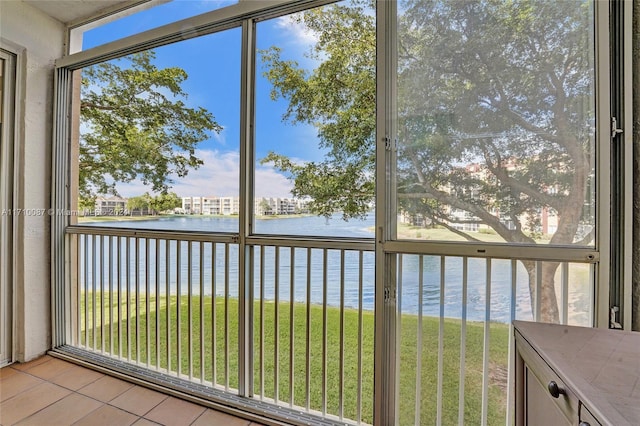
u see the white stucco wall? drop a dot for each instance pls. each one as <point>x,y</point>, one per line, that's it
<point>42,40</point>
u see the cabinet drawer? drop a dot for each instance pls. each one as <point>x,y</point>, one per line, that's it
<point>540,377</point>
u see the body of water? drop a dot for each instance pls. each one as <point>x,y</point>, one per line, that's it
<point>351,270</point>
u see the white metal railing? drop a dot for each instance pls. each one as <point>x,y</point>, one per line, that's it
<point>462,306</point>
<point>160,301</point>
<point>320,301</point>
<point>169,302</point>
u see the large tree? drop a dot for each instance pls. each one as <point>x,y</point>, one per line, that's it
<point>135,124</point>
<point>495,117</point>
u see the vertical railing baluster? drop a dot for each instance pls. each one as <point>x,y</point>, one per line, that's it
<point>260,320</point>
<point>307,366</point>
<point>86,291</point>
<point>538,303</point>
<point>276,328</point>
<point>485,347</point>
<point>214,321</point>
<point>167,274</point>
<point>463,341</point>
<point>341,366</point>
<point>147,299</point>
<point>111,295</point>
<point>262,314</point>
<point>119,278</point>
<point>512,316</point>
<point>398,335</point>
<point>360,335</point>
<point>94,291</point>
<point>101,272</point>
<point>202,312</point>
<point>137,293</point>
<point>514,289</point>
<point>79,286</point>
<point>178,306</point>
<point>418,403</point>
<point>128,284</point>
<point>157,334</point>
<point>564,304</point>
<point>440,343</point>
<point>324,329</point>
<point>292,266</point>
<point>190,307</point>
<point>226,316</point>
<point>592,283</point>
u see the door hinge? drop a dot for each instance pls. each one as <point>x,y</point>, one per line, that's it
<point>613,318</point>
<point>390,144</point>
<point>389,294</point>
<point>614,127</point>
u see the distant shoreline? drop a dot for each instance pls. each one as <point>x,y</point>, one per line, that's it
<point>89,219</point>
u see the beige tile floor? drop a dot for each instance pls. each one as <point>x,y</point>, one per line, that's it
<point>49,391</point>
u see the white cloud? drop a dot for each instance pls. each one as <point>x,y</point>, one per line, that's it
<point>298,32</point>
<point>219,175</point>
<point>220,137</point>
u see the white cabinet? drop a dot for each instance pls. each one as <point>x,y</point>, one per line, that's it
<point>576,376</point>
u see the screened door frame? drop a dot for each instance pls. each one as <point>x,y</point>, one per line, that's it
<point>12,89</point>
<point>7,101</point>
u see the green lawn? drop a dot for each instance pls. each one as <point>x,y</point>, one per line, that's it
<point>224,358</point>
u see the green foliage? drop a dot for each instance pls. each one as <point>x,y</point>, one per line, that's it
<point>265,207</point>
<point>495,116</point>
<point>517,105</point>
<point>136,124</point>
<point>86,203</point>
<point>140,203</point>
<point>502,85</point>
<point>166,202</point>
<point>157,204</point>
<point>338,97</point>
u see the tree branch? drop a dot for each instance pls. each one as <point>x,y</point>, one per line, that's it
<point>456,231</point>
<point>587,238</point>
<point>504,177</point>
<point>91,105</point>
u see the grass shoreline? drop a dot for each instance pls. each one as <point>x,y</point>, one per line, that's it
<point>267,337</point>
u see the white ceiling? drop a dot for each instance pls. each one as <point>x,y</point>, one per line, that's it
<point>68,11</point>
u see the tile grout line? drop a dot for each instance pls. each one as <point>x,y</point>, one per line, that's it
<point>196,419</point>
<point>27,372</point>
<point>46,406</point>
<point>43,380</point>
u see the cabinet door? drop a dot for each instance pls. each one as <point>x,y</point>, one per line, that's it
<point>587,418</point>
<point>541,409</point>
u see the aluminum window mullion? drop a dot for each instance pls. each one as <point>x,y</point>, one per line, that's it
<point>603,160</point>
<point>245,261</point>
<point>60,201</point>
<point>8,224</point>
<point>384,412</point>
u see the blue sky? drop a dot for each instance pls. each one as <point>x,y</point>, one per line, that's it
<point>212,63</point>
